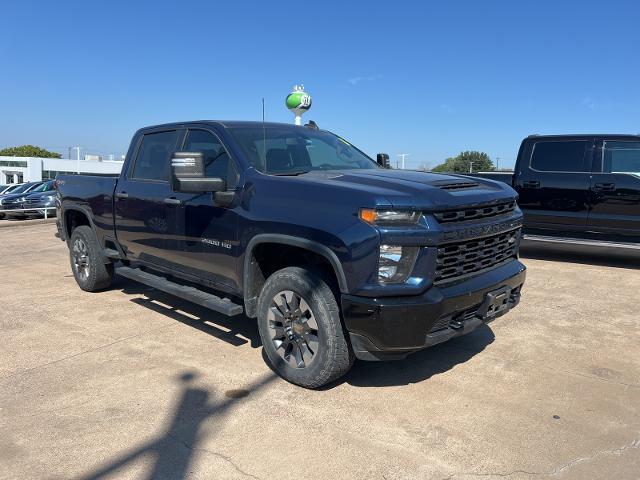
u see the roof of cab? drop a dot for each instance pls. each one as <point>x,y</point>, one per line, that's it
<point>220,123</point>
<point>588,135</point>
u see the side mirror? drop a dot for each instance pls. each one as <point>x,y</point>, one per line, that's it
<point>383,160</point>
<point>188,174</point>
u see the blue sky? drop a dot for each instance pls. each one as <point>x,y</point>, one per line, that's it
<point>425,78</point>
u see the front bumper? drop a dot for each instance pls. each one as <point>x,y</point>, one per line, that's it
<point>393,327</point>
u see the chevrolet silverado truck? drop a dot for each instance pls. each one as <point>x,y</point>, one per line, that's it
<point>336,256</point>
<point>578,189</point>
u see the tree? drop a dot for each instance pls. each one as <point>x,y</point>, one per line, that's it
<point>28,151</point>
<point>461,163</point>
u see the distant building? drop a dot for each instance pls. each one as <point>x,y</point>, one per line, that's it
<point>89,157</point>
<point>31,169</point>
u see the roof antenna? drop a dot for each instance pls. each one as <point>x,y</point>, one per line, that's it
<point>264,138</point>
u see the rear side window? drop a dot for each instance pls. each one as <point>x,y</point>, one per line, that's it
<point>152,162</point>
<point>559,156</point>
<point>621,157</point>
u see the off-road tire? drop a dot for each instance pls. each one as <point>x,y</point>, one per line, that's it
<point>85,250</point>
<point>333,356</point>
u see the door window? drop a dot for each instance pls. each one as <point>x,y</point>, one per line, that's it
<point>569,156</point>
<point>217,162</point>
<point>621,157</point>
<point>152,162</point>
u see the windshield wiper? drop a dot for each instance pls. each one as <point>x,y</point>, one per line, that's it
<point>292,174</point>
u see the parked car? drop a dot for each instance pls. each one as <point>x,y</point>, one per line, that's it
<point>12,200</point>
<point>337,257</point>
<point>40,197</point>
<point>581,189</point>
<point>5,189</point>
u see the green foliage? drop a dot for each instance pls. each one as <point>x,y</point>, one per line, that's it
<point>28,151</point>
<point>461,163</point>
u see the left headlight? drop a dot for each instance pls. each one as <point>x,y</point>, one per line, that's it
<point>396,263</point>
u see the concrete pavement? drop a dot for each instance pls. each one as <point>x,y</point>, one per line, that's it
<point>132,383</point>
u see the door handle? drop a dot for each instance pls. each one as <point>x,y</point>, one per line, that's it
<point>605,187</point>
<point>531,184</point>
<point>172,201</point>
<point>122,195</point>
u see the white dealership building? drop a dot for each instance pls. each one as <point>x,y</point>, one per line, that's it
<point>31,169</point>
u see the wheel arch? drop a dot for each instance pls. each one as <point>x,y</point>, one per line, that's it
<point>252,285</point>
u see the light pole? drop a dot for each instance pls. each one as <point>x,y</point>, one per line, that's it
<point>402,155</point>
<point>471,167</point>
<point>78,158</point>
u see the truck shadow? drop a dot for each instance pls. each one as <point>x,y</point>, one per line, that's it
<point>171,452</point>
<point>241,330</point>
<point>422,365</point>
<point>238,330</point>
<point>581,254</point>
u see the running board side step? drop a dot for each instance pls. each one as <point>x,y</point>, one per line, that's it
<point>207,300</point>
<point>580,241</point>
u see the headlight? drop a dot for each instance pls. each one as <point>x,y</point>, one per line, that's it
<point>389,217</point>
<point>396,263</point>
<point>49,198</point>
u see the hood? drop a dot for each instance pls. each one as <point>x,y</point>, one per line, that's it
<point>416,189</point>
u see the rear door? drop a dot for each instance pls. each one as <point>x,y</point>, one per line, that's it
<point>615,188</point>
<point>145,217</point>
<point>553,182</point>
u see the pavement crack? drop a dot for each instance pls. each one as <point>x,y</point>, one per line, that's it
<point>556,471</point>
<point>99,347</point>
<point>226,458</point>
<point>616,451</point>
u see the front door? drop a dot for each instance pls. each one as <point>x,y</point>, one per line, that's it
<point>553,183</point>
<point>615,189</point>
<point>209,247</point>
<point>145,217</point>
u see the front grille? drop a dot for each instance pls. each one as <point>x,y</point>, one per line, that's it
<point>32,201</point>
<point>475,213</point>
<point>463,258</point>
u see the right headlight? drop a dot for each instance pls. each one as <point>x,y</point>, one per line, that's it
<point>396,263</point>
<point>390,217</point>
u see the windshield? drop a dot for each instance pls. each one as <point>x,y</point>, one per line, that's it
<point>10,189</point>
<point>292,150</point>
<point>45,187</point>
<point>22,188</point>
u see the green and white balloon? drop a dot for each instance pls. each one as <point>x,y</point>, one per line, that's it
<point>298,102</point>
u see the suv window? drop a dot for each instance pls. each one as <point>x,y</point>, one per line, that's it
<point>560,156</point>
<point>621,157</point>
<point>217,162</point>
<point>152,162</point>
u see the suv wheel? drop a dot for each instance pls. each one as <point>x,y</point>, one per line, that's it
<point>87,262</point>
<point>300,328</point>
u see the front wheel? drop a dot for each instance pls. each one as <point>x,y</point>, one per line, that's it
<point>87,262</point>
<point>300,328</point>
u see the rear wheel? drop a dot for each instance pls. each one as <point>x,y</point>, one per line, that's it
<point>300,328</point>
<point>87,262</point>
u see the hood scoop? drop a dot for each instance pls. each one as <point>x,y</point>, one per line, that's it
<point>455,185</point>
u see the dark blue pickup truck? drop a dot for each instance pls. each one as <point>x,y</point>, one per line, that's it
<point>335,255</point>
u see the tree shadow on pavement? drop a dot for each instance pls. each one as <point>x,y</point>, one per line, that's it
<point>236,330</point>
<point>422,365</point>
<point>172,450</point>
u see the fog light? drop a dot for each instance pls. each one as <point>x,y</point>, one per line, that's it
<point>396,263</point>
